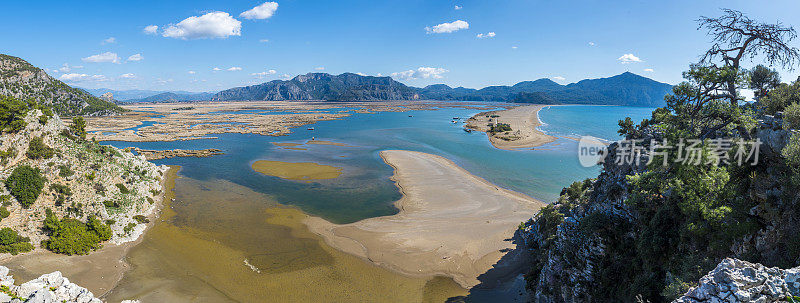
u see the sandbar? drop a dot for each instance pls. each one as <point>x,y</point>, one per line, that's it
<point>301,171</point>
<point>450,222</point>
<point>523,120</point>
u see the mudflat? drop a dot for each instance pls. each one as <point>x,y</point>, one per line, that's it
<point>450,222</point>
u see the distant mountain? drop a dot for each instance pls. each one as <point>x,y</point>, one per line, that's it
<point>138,95</point>
<point>624,89</point>
<point>322,86</point>
<point>21,80</point>
<point>173,97</point>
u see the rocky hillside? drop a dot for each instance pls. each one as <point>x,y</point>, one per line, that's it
<point>68,194</point>
<point>21,80</point>
<point>322,86</point>
<point>625,89</point>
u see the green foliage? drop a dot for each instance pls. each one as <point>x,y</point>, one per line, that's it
<point>90,176</point>
<point>141,219</point>
<point>78,127</point>
<point>500,127</point>
<point>792,154</point>
<point>779,98</point>
<point>129,228</point>
<point>4,213</point>
<point>61,192</point>
<point>791,117</point>
<point>12,114</point>
<point>64,171</point>
<point>70,236</point>
<point>763,79</point>
<point>13,243</point>
<point>25,183</point>
<point>122,189</point>
<point>38,150</point>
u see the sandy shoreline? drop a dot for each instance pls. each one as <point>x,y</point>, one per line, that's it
<point>99,271</point>
<point>523,120</point>
<point>450,222</point>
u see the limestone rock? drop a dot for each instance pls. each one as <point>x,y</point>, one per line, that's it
<point>734,280</point>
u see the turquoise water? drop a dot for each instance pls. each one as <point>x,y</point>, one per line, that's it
<point>589,120</point>
<point>364,190</point>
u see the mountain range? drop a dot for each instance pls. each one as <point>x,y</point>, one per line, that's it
<point>21,80</point>
<point>141,95</point>
<point>624,89</point>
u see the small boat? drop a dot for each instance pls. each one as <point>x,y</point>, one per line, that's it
<point>468,130</point>
<point>456,118</point>
<point>410,116</point>
<point>310,128</point>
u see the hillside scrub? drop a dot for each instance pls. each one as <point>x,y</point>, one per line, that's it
<point>648,232</point>
<point>13,243</point>
<point>38,150</point>
<point>25,183</point>
<point>70,236</point>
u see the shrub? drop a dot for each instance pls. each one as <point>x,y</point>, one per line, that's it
<point>128,228</point>
<point>70,236</point>
<point>500,127</point>
<point>64,171</point>
<point>12,114</point>
<point>38,150</point>
<point>13,243</point>
<point>78,127</point>
<point>110,203</point>
<point>25,183</point>
<point>90,176</point>
<point>791,117</point>
<point>4,213</point>
<point>122,189</point>
<point>141,219</point>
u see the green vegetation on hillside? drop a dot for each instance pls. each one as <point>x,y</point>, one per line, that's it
<point>13,243</point>
<point>70,236</point>
<point>25,183</point>
<point>662,227</point>
<point>12,114</point>
<point>38,150</point>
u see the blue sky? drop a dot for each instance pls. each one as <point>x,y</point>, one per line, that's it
<point>563,40</point>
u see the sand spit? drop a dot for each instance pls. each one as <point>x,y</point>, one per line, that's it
<point>450,222</point>
<point>523,121</point>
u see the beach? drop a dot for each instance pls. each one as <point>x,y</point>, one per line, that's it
<point>100,270</point>
<point>523,120</point>
<point>450,222</point>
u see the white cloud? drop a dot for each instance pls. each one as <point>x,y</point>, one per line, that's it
<point>458,7</point>
<point>160,81</point>
<point>216,69</point>
<point>75,77</point>
<point>150,29</point>
<point>486,35</point>
<point>591,43</point>
<point>210,25</point>
<point>649,70</point>
<point>514,47</point>
<point>109,40</point>
<point>191,72</point>
<point>263,40</point>
<point>264,74</point>
<point>104,57</point>
<point>67,68</point>
<point>628,58</point>
<point>361,74</point>
<point>422,72</point>
<point>558,78</point>
<point>72,77</point>
<point>446,28</point>
<point>234,68</point>
<point>320,68</point>
<point>263,11</point>
<point>127,76</point>
<point>136,57</point>
<point>287,76</point>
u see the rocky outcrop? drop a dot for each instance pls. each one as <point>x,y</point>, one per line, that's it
<point>83,178</point>
<point>21,80</point>
<point>735,280</point>
<point>48,288</point>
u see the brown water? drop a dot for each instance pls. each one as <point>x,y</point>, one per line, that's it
<point>224,242</point>
<point>301,171</point>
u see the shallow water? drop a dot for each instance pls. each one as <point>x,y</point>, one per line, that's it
<point>226,213</point>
